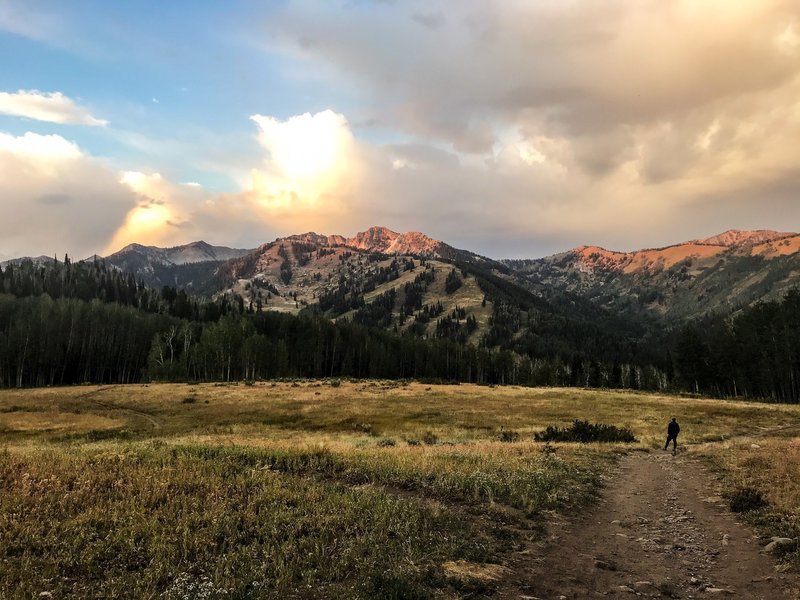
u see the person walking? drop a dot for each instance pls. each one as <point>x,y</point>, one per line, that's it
<point>673,429</point>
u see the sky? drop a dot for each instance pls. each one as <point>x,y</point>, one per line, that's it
<point>512,128</point>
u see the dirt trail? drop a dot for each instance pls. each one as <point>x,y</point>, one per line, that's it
<point>153,421</point>
<point>661,531</point>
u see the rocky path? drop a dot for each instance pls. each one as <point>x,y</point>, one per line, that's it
<point>661,531</point>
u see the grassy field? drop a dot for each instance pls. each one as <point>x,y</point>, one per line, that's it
<point>327,489</point>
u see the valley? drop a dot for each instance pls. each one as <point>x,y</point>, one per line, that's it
<point>372,488</point>
<point>387,304</point>
<point>397,300</point>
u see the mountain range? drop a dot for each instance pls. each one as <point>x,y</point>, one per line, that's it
<point>418,280</point>
<point>716,275</point>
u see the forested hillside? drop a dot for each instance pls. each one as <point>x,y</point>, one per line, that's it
<point>755,354</point>
<point>717,275</point>
<point>399,317</point>
<point>63,323</point>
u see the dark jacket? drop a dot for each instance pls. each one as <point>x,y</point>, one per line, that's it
<point>673,429</point>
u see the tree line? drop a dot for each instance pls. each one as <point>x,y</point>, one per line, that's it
<point>64,323</point>
<point>46,341</point>
<point>755,354</point>
<point>94,280</point>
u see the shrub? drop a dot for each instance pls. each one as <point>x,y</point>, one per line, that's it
<point>189,400</point>
<point>386,443</point>
<point>585,433</point>
<point>364,428</point>
<point>430,438</point>
<point>746,500</point>
<point>509,435</point>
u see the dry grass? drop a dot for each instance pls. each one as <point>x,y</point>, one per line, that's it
<point>364,410</point>
<point>178,490</point>
<point>771,465</point>
<point>29,422</point>
<point>464,570</point>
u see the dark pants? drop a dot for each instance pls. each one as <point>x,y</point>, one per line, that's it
<point>674,440</point>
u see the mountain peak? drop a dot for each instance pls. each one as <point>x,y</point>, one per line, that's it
<point>738,237</point>
<point>193,252</point>
<point>134,247</point>
<point>384,240</point>
<point>198,244</point>
<point>594,258</point>
<point>372,238</point>
<point>379,239</point>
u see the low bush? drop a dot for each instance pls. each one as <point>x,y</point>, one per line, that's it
<point>509,435</point>
<point>430,438</point>
<point>585,433</point>
<point>364,428</point>
<point>746,499</point>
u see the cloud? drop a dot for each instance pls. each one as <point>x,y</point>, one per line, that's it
<point>599,121</point>
<point>311,160</point>
<point>534,195</point>
<point>511,128</point>
<point>55,198</point>
<point>575,68</point>
<point>52,107</point>
<point>39,149</point>
<point>21,18</point>
<point>162,215</point>
<point>305,147</point>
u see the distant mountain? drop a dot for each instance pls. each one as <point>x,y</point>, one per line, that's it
<point>715,275</point>
<point>37,260</point>
<point>412,284</point>
<point>205,269</point>
<point>385,241</point>
<point>339,275</point>
<point>409,281</point>
<point>188,266</point>
<point>738,238</point>
<point>136,256</point>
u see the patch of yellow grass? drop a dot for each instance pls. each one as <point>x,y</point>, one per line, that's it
<point>44,421</point>
<point>358,413</point>
<point>464,570</point>
<point>429,449</point>
<point>771,465</point>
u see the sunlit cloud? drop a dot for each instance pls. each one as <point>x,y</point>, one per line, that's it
<point>309,158</point>
<point>614,122</point>
<point>35,146</point>
<point>53,107</point>
<point>55,198</point>
<point>162,215</point>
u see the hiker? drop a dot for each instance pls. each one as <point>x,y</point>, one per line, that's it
<point>673,429</point>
